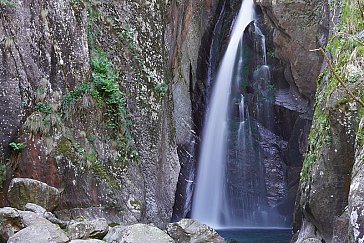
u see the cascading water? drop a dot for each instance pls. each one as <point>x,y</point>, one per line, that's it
<point>209,192</point>
<point>231,186</point>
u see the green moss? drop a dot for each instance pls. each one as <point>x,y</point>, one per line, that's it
<point>3,169</point>
<point>341,47</point>
<point>102,173</point>
<point>136,204</point>
<point>66,149</point>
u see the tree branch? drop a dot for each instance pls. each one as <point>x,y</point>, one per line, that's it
<point>338,77</point>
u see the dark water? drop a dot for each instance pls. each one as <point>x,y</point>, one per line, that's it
<point>256,235</point>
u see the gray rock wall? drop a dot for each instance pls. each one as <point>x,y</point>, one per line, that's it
<point>45,53</point>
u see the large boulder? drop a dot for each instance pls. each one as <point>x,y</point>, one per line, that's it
<point>97,228</point>
<point>87,241</point>
<point>138,233</point>
<point>10,223</point>
<point>30,218</point>
<point>24,190</point>
<point>190,230</point>
<point>47,215</point>
<point>40,233</point>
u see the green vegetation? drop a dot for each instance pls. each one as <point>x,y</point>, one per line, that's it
<point>136,204</point>
<point>43,108</point>
<point>7,3</point>
<point>17,146</point>
<point>103,88</point>
<point>161,89</point>
<point>346,51</point>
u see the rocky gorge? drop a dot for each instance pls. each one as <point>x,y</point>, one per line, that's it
<point>104,101</point>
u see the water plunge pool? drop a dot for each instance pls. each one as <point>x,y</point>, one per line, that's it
<point>256,235</point>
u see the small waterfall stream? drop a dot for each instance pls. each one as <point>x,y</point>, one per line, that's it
<point>230,185</point>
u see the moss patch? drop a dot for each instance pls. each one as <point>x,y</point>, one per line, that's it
<point>345,49</point>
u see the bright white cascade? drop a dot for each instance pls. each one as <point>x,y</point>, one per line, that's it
<point>209,191</point>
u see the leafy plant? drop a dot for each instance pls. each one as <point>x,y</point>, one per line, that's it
<point>44,108</point>
<point>161,89</point>
<point>354,76</point>
<point>17,146</point>
<point>8,3</point>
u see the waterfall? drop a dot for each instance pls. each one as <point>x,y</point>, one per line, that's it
<point>231,187</point>
<point>210,195</point>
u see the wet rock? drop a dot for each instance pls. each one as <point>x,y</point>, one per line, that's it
<point>10,223</point>
<point>190,230</point>
<point>307,232</point>
<point>297,28</point>
<point>97,228</point>
<point>312,240</point>
<point>275,168</point>
<point>138,233</point>
<point>23,190</point>
<point>40,233</point>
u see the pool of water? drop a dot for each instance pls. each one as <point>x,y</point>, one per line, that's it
<point>256,235</point>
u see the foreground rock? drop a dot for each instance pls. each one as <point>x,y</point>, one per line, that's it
<point>23,190</point>
<point>40,233</point>
<point>189,230</point>
<point>138,233</point>
<point>87,241</point>
<point>10,223</point>
<point>97,228</point>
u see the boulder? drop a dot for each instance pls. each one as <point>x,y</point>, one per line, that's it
<point>40,233</point>
<point>35,208</point>
<point>47,215</point>
<point>114,233</point>
<point>23,190</point>
<point>87,241</point>
<point>312,240</point>
<point>97,228</point>
<point>190,230</point>
<point>30,218</point>
<point>138,233</point>
<point>10,223</point>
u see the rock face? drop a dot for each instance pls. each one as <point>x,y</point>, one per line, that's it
<point>298,27</point>
<point>23,190</point>
<point>190,25</point>
<point>330,196</point>
<point>111,151</point>
<point>291,28</point>
<point>356,195</point>
<point>189,230</point>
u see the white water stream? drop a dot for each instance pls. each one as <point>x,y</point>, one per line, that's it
<point>209,192</point>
